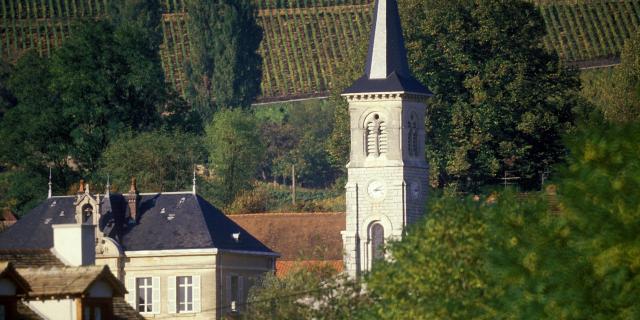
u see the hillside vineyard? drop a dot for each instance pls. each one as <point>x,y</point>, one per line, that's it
<point>304,40</point>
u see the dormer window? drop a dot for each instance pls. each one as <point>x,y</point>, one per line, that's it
<point>87,213</point>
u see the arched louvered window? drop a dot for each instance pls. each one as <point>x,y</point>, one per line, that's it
<point>376,136</point>
<point>412,135</point>
<point>377,242</point>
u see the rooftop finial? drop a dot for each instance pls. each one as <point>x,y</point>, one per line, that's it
<point>133,188</point>
<point>81,187</point>
<point>108,187</point>
<point>194,179</point>
<point>50,184</point>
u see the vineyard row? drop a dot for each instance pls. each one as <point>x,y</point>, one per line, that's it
<point>304,40</point>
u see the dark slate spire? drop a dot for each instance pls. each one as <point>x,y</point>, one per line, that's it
<point>386,69</point>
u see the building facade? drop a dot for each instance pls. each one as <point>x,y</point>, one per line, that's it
<point>175,253</point>
<point>387,171</point>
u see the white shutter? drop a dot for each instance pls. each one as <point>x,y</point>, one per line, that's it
<point>196,294</point>
<point>240,290</point>
<point>130,285</point>
<point>155,296</point>
<point>171,294</point>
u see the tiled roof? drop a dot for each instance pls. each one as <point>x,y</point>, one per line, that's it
<point>297,236</point>
<point>124,311</point>
<point>30,258</point>
<point>7,270</point>
<point>68,281</point>
<point>25,313</point>
<point>185,221</point>
<point>7,215</point>
<point>285,267</point>
<point>34,231</point>
<point>166,221</point>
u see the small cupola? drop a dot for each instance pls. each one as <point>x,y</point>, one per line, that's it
<point>87,206</point>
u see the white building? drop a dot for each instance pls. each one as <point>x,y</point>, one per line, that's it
<point>175,253</point>
<point>387,170</point>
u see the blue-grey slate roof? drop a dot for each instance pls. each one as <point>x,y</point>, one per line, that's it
<point>399,77</point>
<point>166,221</point>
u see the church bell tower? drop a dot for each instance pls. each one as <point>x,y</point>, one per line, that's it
<point>387,170</point>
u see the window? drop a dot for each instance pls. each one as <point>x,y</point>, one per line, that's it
<point>377,242</point>
<point>97,308</point>
<point>144,292</point>
<point>376,138</point>
<point>412,136</point>
<point>185,294</point>
<point>235,292</point>
<point>234,288</point>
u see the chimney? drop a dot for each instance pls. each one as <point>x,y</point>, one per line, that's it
<point>81,187</point>
<point>75,244</point>
<point>132,200</point>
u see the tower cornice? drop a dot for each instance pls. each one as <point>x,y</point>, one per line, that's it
<point>387,96</point>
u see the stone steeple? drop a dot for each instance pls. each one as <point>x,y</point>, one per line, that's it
<point>387,172</point>
<point>387,69</point>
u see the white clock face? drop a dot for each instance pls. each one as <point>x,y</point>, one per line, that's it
<point>414,188</point>
<point>376,189</point>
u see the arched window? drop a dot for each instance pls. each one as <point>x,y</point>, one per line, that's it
<point>377,242</point>
<point>87,213</point>
<point>376,136</point>
<point>412,135</point>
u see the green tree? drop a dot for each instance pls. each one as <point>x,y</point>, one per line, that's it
<point>225,68</point>
<point>314,291</point>
<point>598,194</point>
<point>160,161</point>
<point>99,83</point>
<point>530,259</point>
<point>235,151</point>
<point>103,90</point>
<point>7,100</point>
<point>438,269</point>
<point>340,139</point>
<point>616,93</point>
<point>501,102</point>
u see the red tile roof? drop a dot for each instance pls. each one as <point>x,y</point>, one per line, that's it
<point>297,236</point>
<point>285,267</point>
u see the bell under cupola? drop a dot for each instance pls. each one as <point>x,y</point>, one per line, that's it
<point>87,205</point>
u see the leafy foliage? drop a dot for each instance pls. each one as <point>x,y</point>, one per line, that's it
<point>225,68</point>
<point>501,100</point>
<point>616,93</point>
<point>104,89</point>
<point>309,292</point>
<point>106,79</point>
<point>296,134</point>
<point>598,192</point>
<point>7,100</point>
<point>437,270</point>
<point>160,161</point>
<point>235,151</point>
